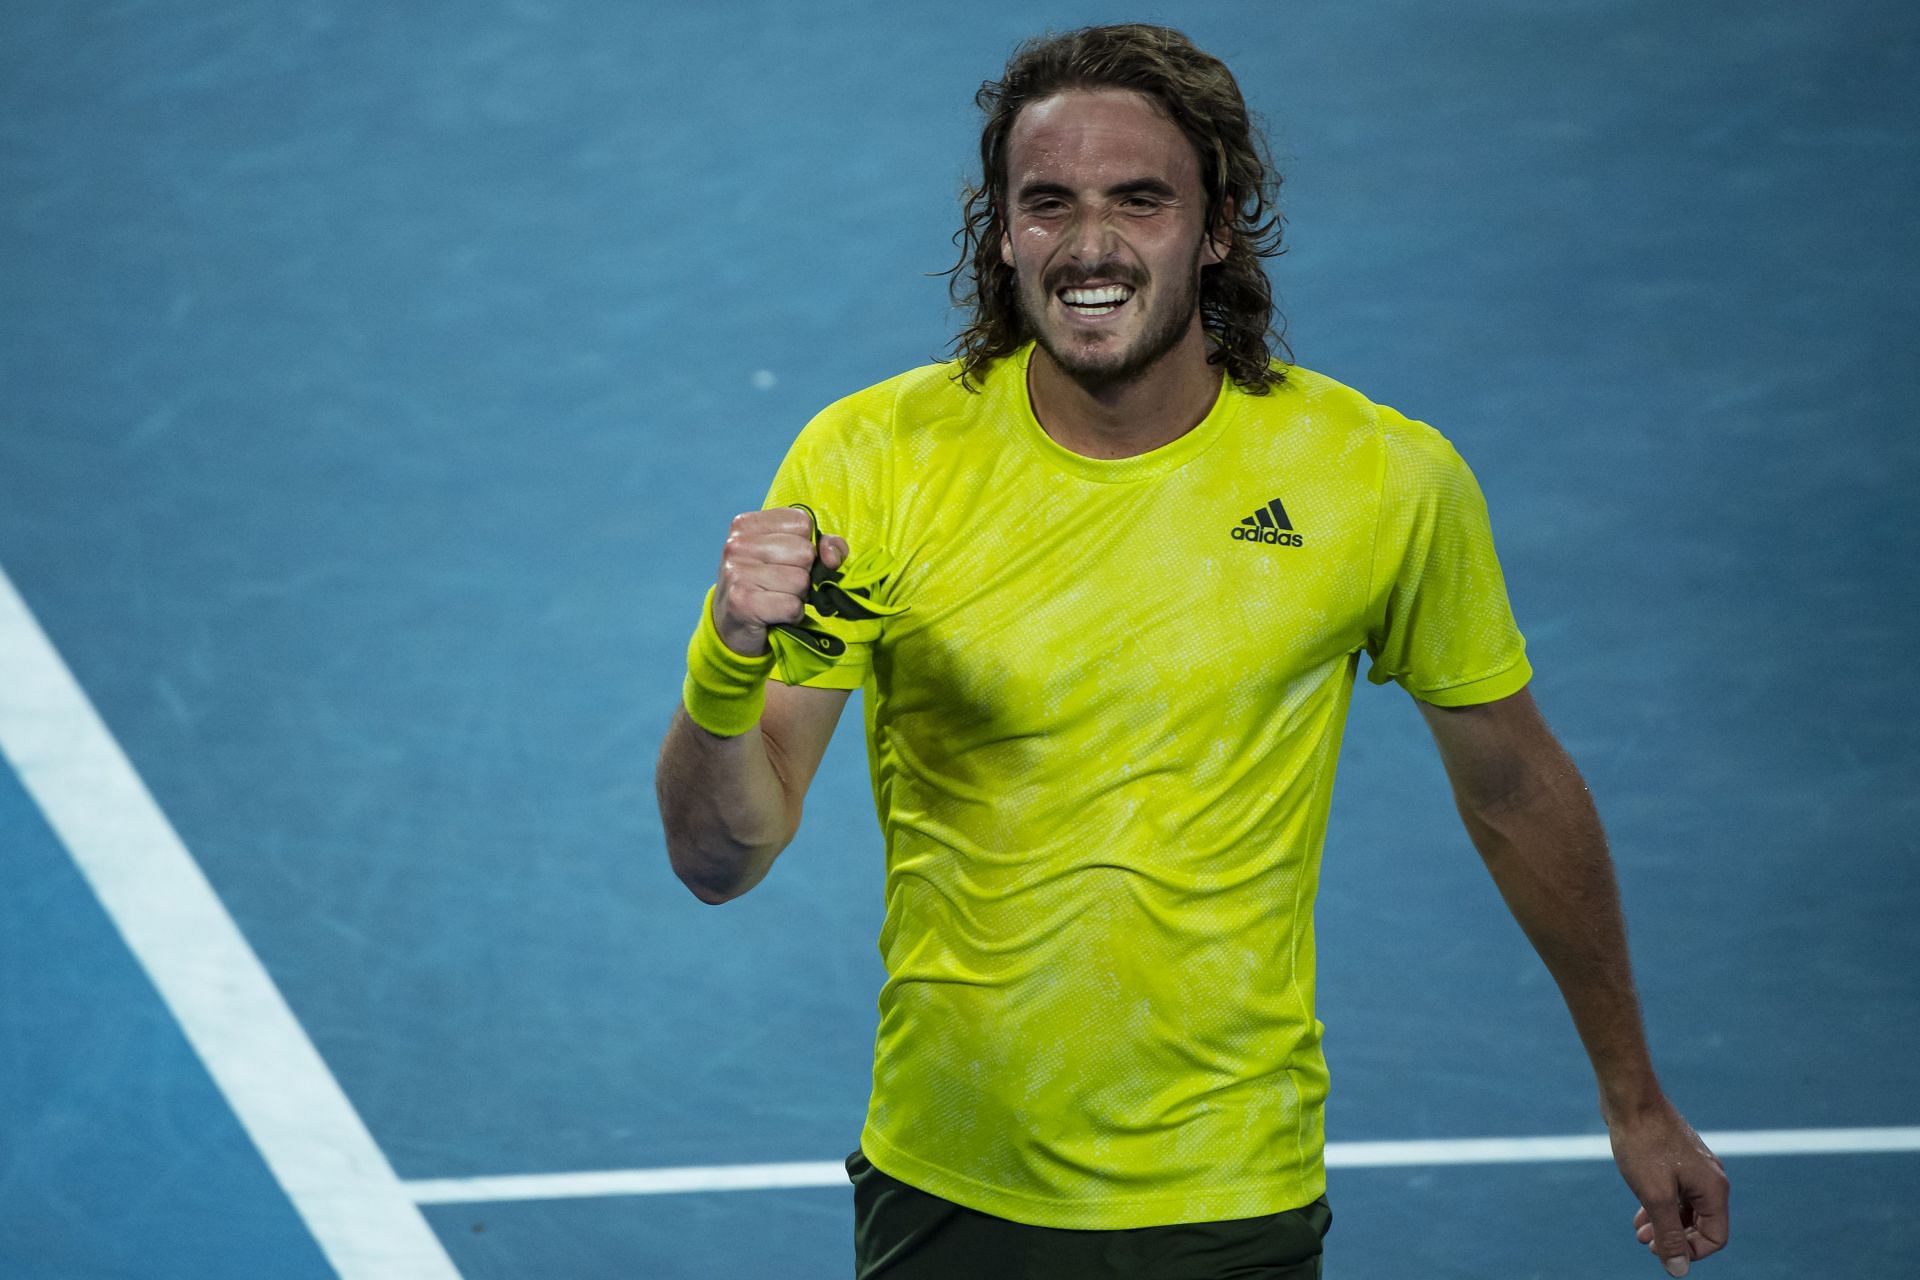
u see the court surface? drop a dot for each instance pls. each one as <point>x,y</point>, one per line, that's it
<point>377,383</point>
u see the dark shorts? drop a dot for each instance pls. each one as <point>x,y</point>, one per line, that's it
<point>902,1233</point>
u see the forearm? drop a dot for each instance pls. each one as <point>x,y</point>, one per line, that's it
<point>1548,855</point>
<point>724,808</point>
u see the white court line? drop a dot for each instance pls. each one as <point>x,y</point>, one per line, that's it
<point>630,1182</point>
<point>1751,1142</point>
<point>235,1018</point>
<point>1340,1155</point>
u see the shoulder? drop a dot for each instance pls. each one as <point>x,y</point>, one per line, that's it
<point>871,416</point>
<point>915,414</point>
<point>1402,445</point>
<point>1338,405</point>
<point>928,388</point>
<point>1327,420</point>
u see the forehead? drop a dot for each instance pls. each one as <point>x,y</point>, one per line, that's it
<point>1098,137</point>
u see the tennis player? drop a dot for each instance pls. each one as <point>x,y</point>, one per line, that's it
<point>1106,578</point>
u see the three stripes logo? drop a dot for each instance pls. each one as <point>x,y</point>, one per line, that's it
<point>1269,525</point>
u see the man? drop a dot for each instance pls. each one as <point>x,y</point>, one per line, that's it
<point>1106,580</point>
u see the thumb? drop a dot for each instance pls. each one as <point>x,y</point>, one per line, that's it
<point>833,551</point>
<point>1669,1237</point>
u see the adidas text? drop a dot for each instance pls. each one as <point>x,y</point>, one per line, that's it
<point>1272,537</point>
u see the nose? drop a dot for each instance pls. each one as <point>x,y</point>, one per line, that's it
<point>1090,239</point>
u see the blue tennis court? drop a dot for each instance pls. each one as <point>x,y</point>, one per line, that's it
<point>377,383</point>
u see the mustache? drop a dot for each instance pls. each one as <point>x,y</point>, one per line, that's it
<point>1114,273</point>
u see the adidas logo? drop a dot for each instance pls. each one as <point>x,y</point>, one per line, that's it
<point>1269,525</point>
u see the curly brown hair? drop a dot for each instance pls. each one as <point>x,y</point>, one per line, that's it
<point>1200,95</point>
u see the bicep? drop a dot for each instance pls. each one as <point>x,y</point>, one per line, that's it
<point>797,725</point>
<point>1496,753</point>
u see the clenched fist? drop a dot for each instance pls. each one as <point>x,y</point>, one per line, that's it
<point>765,573</point>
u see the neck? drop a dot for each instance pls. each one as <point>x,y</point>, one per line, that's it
<point>1104,419</point>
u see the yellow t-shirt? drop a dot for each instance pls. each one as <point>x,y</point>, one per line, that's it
<point>1102,743</point>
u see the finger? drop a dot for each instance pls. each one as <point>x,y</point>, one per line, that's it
<point>784,580</point>
<point>767,536</point>
<point>1708,1202</point>
<point>755,544</point>
<point>742,569</point>
<point>760,595</point>
<point>1669,1237</point>
<point>812,530</point>
<point>779,575</point>
<point>781,520</point>
<point>768,607</point>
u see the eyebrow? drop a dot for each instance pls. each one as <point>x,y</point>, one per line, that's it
<point>1135,186</point>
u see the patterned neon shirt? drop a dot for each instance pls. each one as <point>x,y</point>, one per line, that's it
<point>1102,742</point>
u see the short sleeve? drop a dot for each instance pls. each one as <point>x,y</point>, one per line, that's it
<point>1438,619</point>
<point>837,467</point>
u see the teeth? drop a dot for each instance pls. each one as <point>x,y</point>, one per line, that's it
<point>1113,293</point>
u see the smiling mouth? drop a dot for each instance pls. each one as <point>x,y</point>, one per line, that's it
<point>1100,301</point>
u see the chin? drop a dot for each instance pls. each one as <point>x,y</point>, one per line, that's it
<point>1106,362</point>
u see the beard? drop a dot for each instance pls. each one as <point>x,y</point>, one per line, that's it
<point>1165,326</point>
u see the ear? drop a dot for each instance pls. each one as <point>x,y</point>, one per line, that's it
<point>1220,242</point>
<point>1006,246</point>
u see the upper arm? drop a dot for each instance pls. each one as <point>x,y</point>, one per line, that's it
<point>1438,619</point>
<point>1497,753</point>
<point>796,725</point>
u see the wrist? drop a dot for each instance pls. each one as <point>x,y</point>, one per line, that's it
<point>725,691</point>
<point>1626,1099</point>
